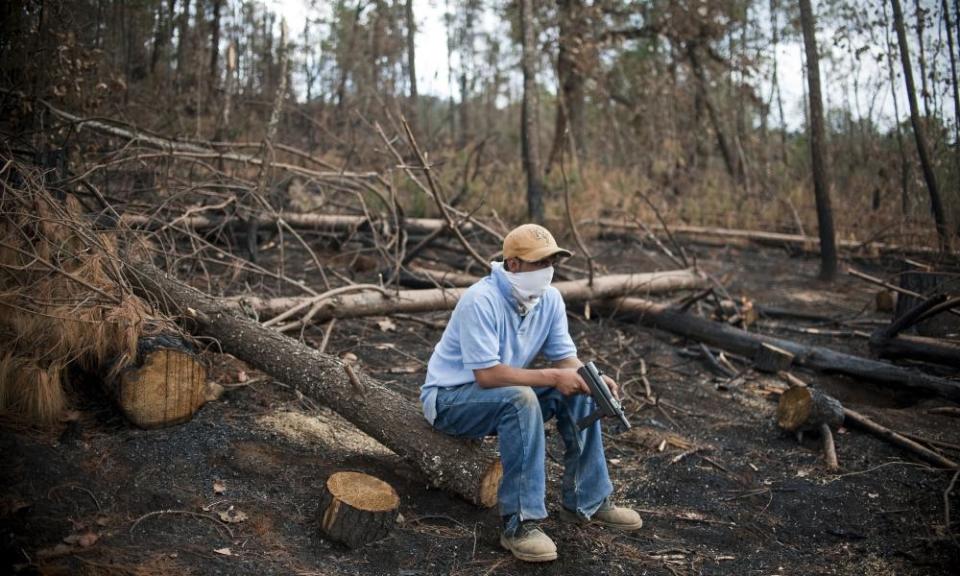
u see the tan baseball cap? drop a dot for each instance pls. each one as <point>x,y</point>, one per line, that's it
<point>531,243</point>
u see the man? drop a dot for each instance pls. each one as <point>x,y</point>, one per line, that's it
<point>478,384</point>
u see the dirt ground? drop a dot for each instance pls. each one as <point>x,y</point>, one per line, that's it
<point>721,489</point>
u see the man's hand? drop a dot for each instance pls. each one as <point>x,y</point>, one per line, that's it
<point>613,386</point>
<point>568,382</point>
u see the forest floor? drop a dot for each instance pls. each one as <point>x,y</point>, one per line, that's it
<point>722,490</point>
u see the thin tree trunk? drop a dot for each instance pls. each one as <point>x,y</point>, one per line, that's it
<point>730,159</point>
<point>901,148</point>
<point>929,176</point>
<point>528,123</point>
<point>183,44</point>
<point>775,25</point>
<point>412,65</point>
<point>922,59</point>
<point>828,249</point>
<point>215,46</point>
<point>953,82</point>
<point>568,123</point>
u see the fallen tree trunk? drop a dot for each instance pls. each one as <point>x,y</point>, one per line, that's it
<point>816,357</point>
<point>413,301</point>
<point>934,350</point>
<point>745,237</point>
<point>467,469</point>
<point>327,222</point>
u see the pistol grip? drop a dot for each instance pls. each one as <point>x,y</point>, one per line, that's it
<point>589,420</point>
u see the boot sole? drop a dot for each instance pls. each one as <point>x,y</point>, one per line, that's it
<point>545,557</point>
<point>568,516</point>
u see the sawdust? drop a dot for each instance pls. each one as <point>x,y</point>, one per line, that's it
<point>324,429</point>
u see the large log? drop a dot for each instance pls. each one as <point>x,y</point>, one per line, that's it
<point>414,301</point>
<point>816,357</point>
<point>323,222</point>
<point>468,469</point>
<point>745,237</point>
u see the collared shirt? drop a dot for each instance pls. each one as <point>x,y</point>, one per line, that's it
<point>486,329</point>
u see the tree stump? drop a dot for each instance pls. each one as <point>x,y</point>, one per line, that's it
<point>929,284</point>
<point>356,508</point>
<point>771,359</point>
<point>166,387</point>
<point>802,409</point>
<point>886,301</point>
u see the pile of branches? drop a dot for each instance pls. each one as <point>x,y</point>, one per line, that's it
<point>64,299</point>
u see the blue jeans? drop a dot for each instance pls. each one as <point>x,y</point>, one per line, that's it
<point>516,415</point>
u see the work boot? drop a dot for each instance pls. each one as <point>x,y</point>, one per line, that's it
<point>607,515</point>
<point>527,541</point>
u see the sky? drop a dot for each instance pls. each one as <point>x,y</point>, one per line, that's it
<point>432,77</point>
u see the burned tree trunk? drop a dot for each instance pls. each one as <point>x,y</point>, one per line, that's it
<point>936,204</point>
<point>469,470</point>
<point>821,190</point>
<point>529,126</point>
<point>816,357</point>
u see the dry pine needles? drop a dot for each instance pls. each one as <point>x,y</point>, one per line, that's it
<point>63,299</point>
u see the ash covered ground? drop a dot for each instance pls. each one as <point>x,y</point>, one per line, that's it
<point>722,490</point>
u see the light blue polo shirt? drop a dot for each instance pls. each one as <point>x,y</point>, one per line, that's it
<point>486,329</point>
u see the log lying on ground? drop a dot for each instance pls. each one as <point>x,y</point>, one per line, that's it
<point>356,509</point>
<point>413,301</point>
<point>470,470</point>
<point>816,357</point>
<point>857,419</point>
<point>745,237</point>
<point>804,405</point>
<point>771,359</point>
<point>804,408</point>
<point>166,387</point>
<point>888,342</point>
<point>324,222</point>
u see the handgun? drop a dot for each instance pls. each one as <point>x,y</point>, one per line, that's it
<point>607,404</point>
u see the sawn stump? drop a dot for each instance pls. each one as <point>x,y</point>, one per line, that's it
<point>356,508</point>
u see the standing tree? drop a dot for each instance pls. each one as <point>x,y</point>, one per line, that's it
<point>412,63</point>
<point>926,164</point>
<point>821,191</point>
<point>529,127</point>
<point>568,125</point>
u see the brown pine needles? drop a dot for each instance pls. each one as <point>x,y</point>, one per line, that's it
<point>63,298</point>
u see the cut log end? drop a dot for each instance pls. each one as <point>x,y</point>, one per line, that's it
<point>771,359</point>
<point>489,484</point>
<point>356,509</point>
<point>167,388</point>
<point>807,408</point>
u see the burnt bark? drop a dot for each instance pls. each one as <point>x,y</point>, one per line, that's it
<point>821,190</point>
<point>815,357</point>
<point>215,46</point>
<point>730,158</point>
<point>412,63</point>
<point>568,123</point>
<point>529,125</point>
<point>936,204</point>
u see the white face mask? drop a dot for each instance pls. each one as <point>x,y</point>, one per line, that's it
<point>528,287</point>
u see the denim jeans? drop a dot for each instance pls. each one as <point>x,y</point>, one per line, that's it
<point>516,415</point>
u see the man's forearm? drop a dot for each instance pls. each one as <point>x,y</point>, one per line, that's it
<point>504,375</point>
